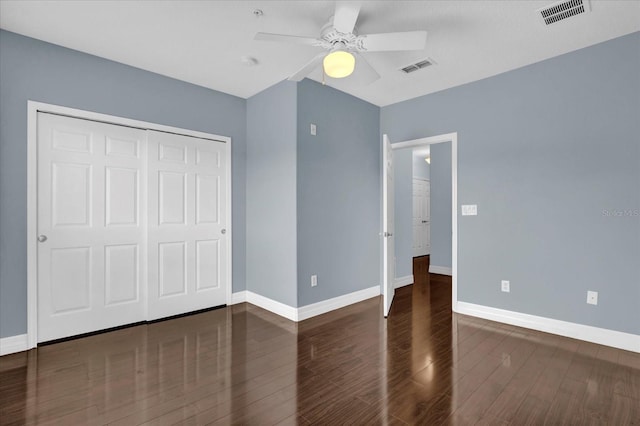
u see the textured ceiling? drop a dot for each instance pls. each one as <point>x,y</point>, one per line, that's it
<point>202,41</point>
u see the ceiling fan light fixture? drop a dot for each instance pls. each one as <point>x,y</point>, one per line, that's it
<point>339,64</point>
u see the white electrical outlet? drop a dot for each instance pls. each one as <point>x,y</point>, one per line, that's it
<point>469,210</point>
<point>314,280</point>
<point>313,129</point>
<point>505,286</point>
<point>592,297</point>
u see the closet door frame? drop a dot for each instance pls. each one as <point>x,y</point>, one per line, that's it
<point>33,108</point>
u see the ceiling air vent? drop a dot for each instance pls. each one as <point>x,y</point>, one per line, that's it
<point>417,66</point>
<point>562,10</point>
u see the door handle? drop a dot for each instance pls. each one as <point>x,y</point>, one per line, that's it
<point>42,238</point>
<point>223,231</point>
<point>388,234</point>
<point>424,221</point>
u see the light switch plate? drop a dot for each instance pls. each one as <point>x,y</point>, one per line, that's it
<point>313,129</point>
<point>469,210</point>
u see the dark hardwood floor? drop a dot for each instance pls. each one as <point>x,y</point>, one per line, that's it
<point>243,365</point>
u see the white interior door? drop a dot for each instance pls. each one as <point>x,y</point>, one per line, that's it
<point>187,239</point>
<point>426,219</point>
<point>421,217</point>
<point>388,263</point>
<point>91,187</point>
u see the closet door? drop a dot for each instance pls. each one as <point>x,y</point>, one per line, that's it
<point>91,226</point>
<point>187,239</point>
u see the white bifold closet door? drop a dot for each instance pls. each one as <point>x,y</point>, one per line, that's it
<point>91,226</point>
<point>131,225</point>
<point>187,216</point>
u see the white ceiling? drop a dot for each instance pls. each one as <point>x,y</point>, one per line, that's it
<point>202,41</point>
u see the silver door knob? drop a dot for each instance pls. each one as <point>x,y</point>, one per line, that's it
<point>42,238</point>
<point>224,231</point>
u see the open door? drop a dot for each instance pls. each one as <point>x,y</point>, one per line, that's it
<point>388,252</point>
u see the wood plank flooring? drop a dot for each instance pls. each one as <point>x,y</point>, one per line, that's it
<point>243,365</point>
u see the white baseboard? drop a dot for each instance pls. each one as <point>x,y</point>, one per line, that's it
<point>402,281</point>
<point>238,297</point>
<point>602,336</point>
<point>271,305</point>
<point>308,311</point>
<point>332,304</point>
<point>442,270</point>
<point>13,344</point>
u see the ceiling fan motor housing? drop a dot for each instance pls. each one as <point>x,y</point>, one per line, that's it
<point>332,39</point>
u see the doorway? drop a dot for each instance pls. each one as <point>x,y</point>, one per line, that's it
<point>389,217</point>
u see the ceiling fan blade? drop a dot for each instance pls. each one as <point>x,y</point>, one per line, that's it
<point>283,38</point>
<point>310,66</point>
<point>409,40</point>
<point>365,73</point>
<point>345,16</point>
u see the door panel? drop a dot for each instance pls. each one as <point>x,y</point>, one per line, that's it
<point>173,268</point>
<point>89,198</point>
<point>122,189</point>
<point>122,282</point>
<point>121,147</point>
<point>172,192</point>
<point>187,223</point>
<point>207,198</point>
<point>71,192</point>
<point>70,279</point>
<point>207,264</point>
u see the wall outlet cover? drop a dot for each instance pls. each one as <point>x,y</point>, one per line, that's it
<point>592,297</point>
<point>505,286</point>
<point>469,210</point>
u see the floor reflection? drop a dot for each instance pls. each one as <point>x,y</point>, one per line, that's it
<point>419,348</point>
<point>244,365</point>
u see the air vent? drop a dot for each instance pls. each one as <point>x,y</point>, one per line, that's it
<point>562,10</point>
<point>417,66</point>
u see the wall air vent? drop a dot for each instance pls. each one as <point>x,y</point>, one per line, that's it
<point>417,66</point>
<point>562,10</point>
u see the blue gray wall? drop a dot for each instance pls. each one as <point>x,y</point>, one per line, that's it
<point>420,168</point>
<point>550,153</point>
<point>403,210</point>
<point>338,193</point>
<point>440,172</point>
<point>34,70</point>
<point>271,193</point>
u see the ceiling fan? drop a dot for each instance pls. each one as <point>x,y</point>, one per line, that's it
<point>343,46</point>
